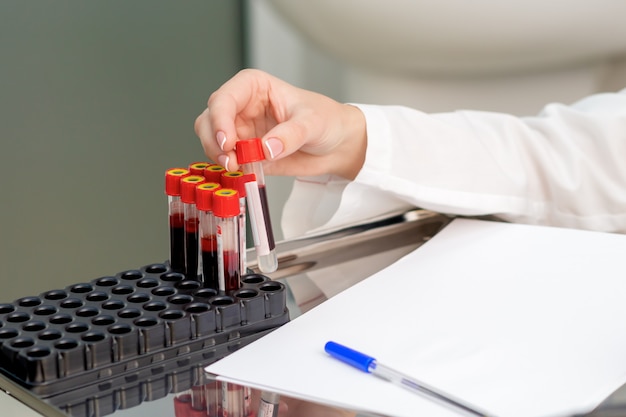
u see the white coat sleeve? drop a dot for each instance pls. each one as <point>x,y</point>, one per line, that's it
<point>565,167</point>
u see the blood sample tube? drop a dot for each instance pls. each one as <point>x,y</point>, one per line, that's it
<point>213,173</point>
<point>236,180</point>
<point>250,154</point>
<point>197,168</point>
<point>188,197</point>
<point>268,406</point>
<point>226,211</point>
<point>176,215</point>
<point>234,401</point>
<point>208,234</point>
<point>182,404</point>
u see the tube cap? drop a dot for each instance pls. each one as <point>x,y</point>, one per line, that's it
<point>197,168</point>
<point>172,180</point>
<point>352,357</point>
<point>188,188</point>
<point>226,203</point>
<point>213,173</point>
<point>204,195</point>
<point>249,150</point>
<point>237,181</point>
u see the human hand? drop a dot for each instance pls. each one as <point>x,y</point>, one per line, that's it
<point>303,133</point>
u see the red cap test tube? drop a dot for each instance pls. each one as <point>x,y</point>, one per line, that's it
<point>226,211</point>
<point>188,197</point>
<point>197,168</point>
<point>237,180</point>
<point>176,215</point>
<point>208,234</point>
<point>250,154</point>
<point>213,173</point>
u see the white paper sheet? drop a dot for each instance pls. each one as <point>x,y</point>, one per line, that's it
<point>519,320</point>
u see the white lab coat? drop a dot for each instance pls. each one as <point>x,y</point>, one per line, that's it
<point>565,167</point>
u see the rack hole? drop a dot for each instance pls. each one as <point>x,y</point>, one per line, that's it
<point>197,308</point>
<point>120,329</point>
<point>253,279</point>
<point>205,293</point>
<point>93,337</point>
<point>222,301</point>
<point>81,288</point>
<point>66,344</point>
<point>6,308</point>
<point>76,328</point>
<point>7,333</point>
<point>45,310</point>
<point>173,277</point>
<point>129,313</point>
<point>188,285</point>
<point>87,312</point>
<point>131,275</point>
<point>163,291</point>
<point>34,326</point>
<point>156,268</point>
<point>138,298</point>
<point>18,317</point>
<point>148,283</point>
<point>146,322</point>
<point>50,334</point>
<point>180,299</point>
<point>29,301</point>
<point>103,320</point>
<point>122,290</point>
<point>246,293</point>
<point>155,306</point>
<point>97,296</point>
<point>71,303</point>
<point>171,315</point>
<point>55,295</point>
<point>271,286</point>
<point>113,305</point>
<point>107,281</point>
<point>38,352</point>
<point>60,319</point>
<point>22,342</point>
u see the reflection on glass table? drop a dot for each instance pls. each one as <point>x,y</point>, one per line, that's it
<point>311,270</point>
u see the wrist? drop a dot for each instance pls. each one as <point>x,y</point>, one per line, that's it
<point>351,152</point>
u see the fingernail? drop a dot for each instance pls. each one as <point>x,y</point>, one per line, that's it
<point>221,139</point>
<point>223,161</point>
<point>274,146</point>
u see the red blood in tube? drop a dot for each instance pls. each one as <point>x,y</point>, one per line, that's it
<point>191,241</point>
<point>177,242</point>
<point>182,405</point>
<point>210,271</point>
<point>231,271</point>
<point>266,217</point>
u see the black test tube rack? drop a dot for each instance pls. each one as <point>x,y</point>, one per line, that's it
<point>147,329</point>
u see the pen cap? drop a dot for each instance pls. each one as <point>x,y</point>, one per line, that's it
<point>197,168</point>
<point>172,180</point>
<point>213,173</point>
<point>249,150</point>
<point>226,203</point>
<point>188,186</point>
<point>204,195</point>
<point>349,356</point>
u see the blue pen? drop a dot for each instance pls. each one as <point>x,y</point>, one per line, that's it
<point>368,364</point>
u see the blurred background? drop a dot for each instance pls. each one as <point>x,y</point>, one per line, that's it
<point>98,99</point>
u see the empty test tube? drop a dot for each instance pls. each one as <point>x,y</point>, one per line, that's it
<point>250,154</point>
<point>237,180</point>
<point>208,234</point>
<point>226,211</point>
<point>188,197</point>
<point>176,215</point>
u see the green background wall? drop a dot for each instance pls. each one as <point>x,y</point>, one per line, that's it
<point>97,99</point>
